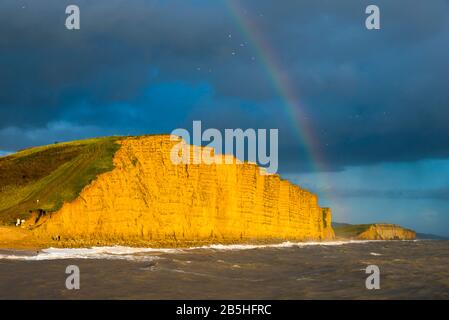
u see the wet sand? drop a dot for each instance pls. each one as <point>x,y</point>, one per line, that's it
<point>409,270</point>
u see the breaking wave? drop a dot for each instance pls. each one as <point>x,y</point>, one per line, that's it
<point>286,244</point>
<point>107,253</point>
<point>149,254</point>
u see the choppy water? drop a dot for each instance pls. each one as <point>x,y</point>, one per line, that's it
<point>409,270</point>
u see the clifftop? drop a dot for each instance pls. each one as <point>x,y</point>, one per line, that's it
<point>126,190</point>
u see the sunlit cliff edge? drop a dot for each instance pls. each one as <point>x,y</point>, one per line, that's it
<point>127,191</point>
<point>146,199</point>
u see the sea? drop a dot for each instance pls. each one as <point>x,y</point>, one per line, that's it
<point>417,269</point>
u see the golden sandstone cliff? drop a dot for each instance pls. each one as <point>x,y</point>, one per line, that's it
<point>383,231</point>
<point>148,199</point>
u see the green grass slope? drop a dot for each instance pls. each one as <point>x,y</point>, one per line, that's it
<point>345,230</point>
<point>45,177</point>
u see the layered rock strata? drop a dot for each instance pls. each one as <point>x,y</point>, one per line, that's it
<point>147,197</point>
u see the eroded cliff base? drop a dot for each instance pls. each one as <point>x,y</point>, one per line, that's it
<point>24,239</point>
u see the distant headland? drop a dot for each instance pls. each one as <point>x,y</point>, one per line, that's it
<point>373,231</point>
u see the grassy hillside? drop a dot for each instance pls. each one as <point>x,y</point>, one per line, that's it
<point>45,177</point>
<point>344,230</point>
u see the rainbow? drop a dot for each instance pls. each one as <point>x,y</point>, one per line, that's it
<point>281,83</point>
<point>283,86</point>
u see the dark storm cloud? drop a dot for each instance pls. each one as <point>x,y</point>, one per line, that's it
<point>109,60</point>
<point>150,66</point>
<point>434,194</point>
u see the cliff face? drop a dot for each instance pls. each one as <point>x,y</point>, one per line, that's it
<point>148,198</point>
<point>387,232</point>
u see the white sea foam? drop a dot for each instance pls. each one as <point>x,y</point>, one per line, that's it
<point>107,253</point>
<point>286,244</point>
<point>149,254</point>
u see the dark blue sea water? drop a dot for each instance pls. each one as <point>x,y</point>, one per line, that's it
<point>408,270</point>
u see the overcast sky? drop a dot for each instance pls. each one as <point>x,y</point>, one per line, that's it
<point>377,101</point>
